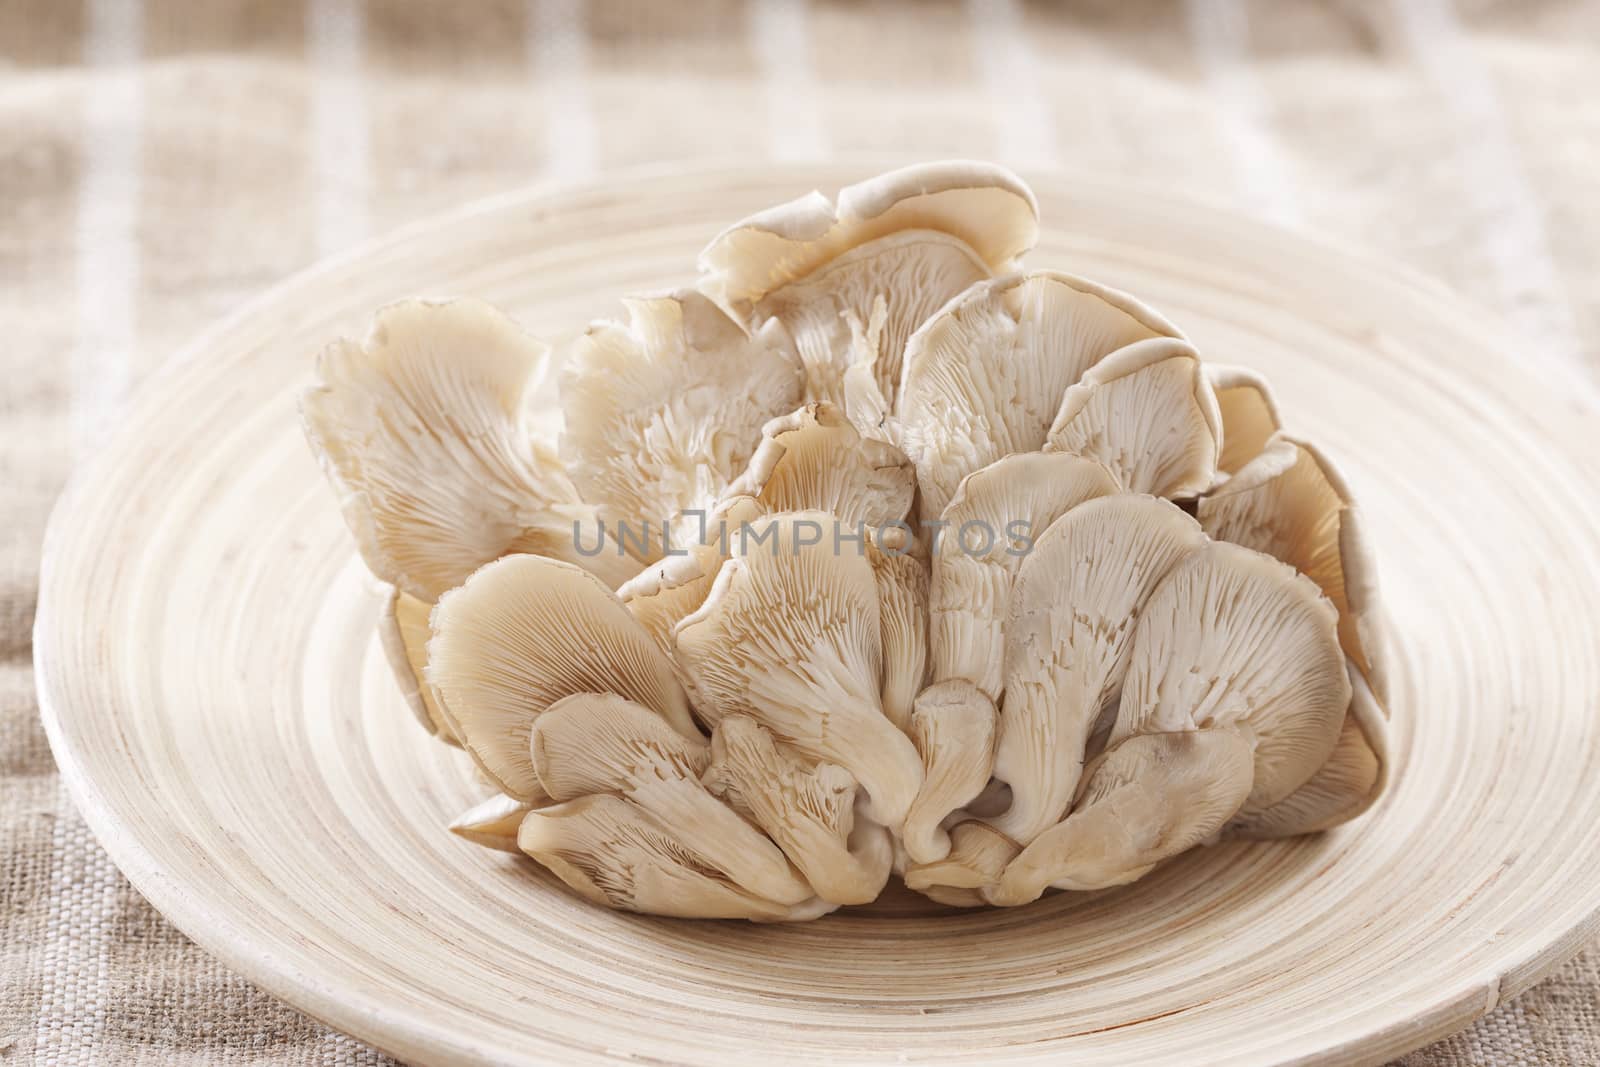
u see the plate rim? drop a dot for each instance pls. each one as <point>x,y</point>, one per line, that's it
<point>363,1014</point>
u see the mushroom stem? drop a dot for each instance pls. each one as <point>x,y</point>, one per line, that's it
<point>953,725</point>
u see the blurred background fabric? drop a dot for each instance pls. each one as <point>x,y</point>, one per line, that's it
<point>163,161</point>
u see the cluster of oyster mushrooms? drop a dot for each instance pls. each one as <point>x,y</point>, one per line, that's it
<point>870,555</point>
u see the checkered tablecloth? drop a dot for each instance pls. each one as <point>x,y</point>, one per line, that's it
<point>160,161</point>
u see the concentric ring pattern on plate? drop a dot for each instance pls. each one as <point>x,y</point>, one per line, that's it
<point>219,705</point>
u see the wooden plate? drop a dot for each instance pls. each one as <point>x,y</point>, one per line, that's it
<point>222,713</point>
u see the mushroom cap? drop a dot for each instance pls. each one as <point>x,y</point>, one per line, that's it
<point>953,725</point>
<point>814,460</point>
<point>423,431</point>
<point>857,311</point>
<point>522,633</point>
<point>807,808</point>
<point>1233,637</point>
<point>1249,413</point>
<point>1151,797</point>
<point>1008,504</point>
<point>984,377</point>
<point>1344,787</point>
<point>1292,503</point>
<point>987,207</point>
<point>1074,608</point>
<point>403,631</point>
<point>601,743</point>
<point>494,822</point>
<point>619,855</point>
<point>1148,414</point>
<point>662,412</point>
<point>790,636</point>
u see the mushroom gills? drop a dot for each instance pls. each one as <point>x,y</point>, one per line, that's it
<point>1147,413</point>
<point>522,633</point>
<point>790,636</point>
<point>601,743</point>
<point>1074,607</point>
<point>617,854</point>
<point>809,809</point>
<point>1152,797</point>
<point>989,526</point>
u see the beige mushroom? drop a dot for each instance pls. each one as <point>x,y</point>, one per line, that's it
<point>663,412</point>
<point>617,854</point>
<point>1152,797</point>
<point>790,636</point>
<point>987,207</point>
<point>807,808</point>
<point>1074,606</point>
<point>522,633</point>
<point>896,246</point>
<point>902,580</point>
<point>953,725</point>
<point>662,594</point>
<point>1234,638</point>
<point>1344,787</point>
<point>494,822</point>
<point>978,854</point>
<point>985,376</point>
<point>1291,503</point>
<point>403,631</point>
<point>1147,413</point>
<point>815,460</point>
<point>988,527</point>
<point>1249,413</point>
<point>423,431</point>
<point>601,743</point>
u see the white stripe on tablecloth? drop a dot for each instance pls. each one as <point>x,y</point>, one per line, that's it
<point>558,50</point>
<point>341,152</point>
<point>107,248</point>
<point>1513,230</point>
<point>1024,127</point>
<point>781,39</point>
<point>1220,33</point>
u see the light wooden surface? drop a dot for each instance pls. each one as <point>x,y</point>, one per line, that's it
<point>220,707</point>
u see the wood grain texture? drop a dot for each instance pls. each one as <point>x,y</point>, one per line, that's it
<point>221,709</point>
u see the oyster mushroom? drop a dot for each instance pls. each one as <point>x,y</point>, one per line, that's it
<point>1004,507</point>
<point>663,412</point>
<point>601,743</point>
<point>1150,798</point>
<point>902,580</point>
<point>894,249</point>
<point>953,725</point>
<point>790,636</point>
<point>815,460</point>
<point>1147,413</point>
<point>1234,638</point>
<point>1291,503</point>
<point>493,823</point>
<point>807,808</point>
<point>522,633</point>
<point>1249,413</point>
<point>403,630</point>
<point>615,853</point>
<point>1344,787</point>
<point>422,430</point>
<point>985,376</point>
<point>662,594</point>
<point>978,854</point>
<point>1074,606</point>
